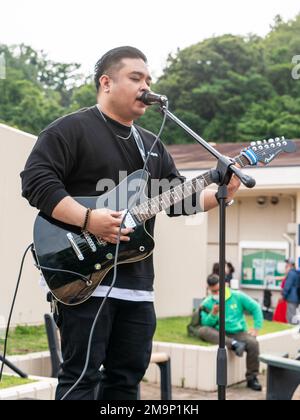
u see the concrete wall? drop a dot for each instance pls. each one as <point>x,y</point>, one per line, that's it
<point>195,367</point>
<point>180,263</point>
<point>16,222</point>
<point>246,221</point>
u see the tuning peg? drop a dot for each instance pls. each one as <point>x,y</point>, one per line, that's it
<point>253,144</point>
<point>259,143</point>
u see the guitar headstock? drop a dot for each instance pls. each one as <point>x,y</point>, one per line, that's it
<point>267,150</point>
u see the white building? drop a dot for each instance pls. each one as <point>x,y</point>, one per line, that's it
<point>263,219</point>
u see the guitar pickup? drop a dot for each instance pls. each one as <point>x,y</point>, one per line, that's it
<point>129,222</point>
<point>75,247</point>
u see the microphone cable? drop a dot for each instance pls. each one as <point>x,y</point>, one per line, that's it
<point>12,308</point>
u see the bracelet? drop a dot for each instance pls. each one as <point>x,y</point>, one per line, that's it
<point>228,204</point>
<point>86,220</point>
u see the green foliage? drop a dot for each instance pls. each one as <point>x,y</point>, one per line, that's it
<point>82,97</point>
<point>236,88</point>
<point>226,88</point>
<point>36,90</point>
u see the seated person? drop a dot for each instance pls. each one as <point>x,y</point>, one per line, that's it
<point>206,326</point>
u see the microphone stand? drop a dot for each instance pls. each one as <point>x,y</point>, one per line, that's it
<point>13,367</point>
<point>221,176</point>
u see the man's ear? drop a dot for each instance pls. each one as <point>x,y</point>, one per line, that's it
<point>105,83</point>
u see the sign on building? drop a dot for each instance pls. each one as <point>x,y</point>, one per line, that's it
<point>263,264</point>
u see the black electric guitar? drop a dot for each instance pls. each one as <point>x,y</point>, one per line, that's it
<point>62,250</point>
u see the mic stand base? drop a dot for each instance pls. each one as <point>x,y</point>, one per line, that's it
<point>13,367</point>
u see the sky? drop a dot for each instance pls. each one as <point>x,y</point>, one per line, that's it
<point>82,31</point>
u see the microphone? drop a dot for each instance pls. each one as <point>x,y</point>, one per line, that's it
<point>151,98</point>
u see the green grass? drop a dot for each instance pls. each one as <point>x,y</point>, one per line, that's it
<point>10,381</point>
<point>173,330</point>
<point>24,340</point>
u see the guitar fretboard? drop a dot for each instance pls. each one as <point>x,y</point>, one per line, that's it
<point>150,208</point>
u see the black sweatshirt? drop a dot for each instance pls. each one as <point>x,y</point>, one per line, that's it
<point>74,153</point>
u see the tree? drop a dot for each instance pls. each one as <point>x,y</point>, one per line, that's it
<point>226,88</point>
<point>36,90</point>
<point>232,85</point>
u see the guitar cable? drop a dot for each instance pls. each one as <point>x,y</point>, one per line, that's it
<point>12,308</point>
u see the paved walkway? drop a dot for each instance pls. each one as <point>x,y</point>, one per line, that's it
<point>237,392</point>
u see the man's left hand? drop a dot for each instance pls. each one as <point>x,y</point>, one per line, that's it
<point>233,187</point>
<point>253,332</point>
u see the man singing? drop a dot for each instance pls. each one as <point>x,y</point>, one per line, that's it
<point>70,157</point>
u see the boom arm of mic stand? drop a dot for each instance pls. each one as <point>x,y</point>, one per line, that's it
<point>225,165</point>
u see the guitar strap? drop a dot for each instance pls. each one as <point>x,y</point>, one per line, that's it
<point>137,137</point>
<point>140,145</point>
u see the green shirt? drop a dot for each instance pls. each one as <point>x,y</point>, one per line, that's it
<point>237,303</point>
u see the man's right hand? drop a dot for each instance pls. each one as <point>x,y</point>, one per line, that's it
<point>105,224</point>
<point>216,310</point>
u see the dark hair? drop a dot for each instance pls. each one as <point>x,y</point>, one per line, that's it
<point>231,268</point>
<point>213,280</point>
<point>113,58</point>
<point>216,269</point>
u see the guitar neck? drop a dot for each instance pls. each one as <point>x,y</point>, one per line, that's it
<point>150,208</point>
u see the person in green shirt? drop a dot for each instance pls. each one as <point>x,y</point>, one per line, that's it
<point>238,338</point>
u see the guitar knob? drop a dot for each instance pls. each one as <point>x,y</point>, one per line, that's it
<point>109,256</point>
